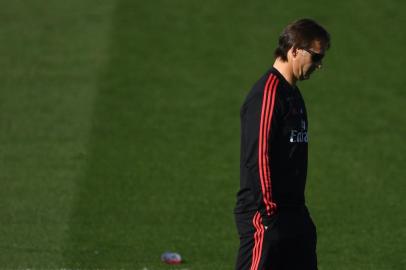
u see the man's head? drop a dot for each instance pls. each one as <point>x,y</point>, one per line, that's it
<point>302,44</point>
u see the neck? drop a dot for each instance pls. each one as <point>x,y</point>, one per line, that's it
<point>285,68</point>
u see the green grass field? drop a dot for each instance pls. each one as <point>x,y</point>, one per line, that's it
<point>120,130</point>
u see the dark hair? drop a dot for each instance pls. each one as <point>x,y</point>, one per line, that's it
<point>300,34</point>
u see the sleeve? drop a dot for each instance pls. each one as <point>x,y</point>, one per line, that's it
<point>260,125</point>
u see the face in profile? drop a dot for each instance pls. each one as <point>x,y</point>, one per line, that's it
<point>307,60</point>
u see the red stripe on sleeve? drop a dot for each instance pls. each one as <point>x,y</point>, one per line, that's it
<point>268,103</point>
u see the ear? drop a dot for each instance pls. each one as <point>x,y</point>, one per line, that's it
<point>294,52</point>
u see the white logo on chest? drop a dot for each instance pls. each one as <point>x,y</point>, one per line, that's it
<point>299,136</point>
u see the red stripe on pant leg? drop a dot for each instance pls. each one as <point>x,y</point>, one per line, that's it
<point>254,250</point>
<point>256,243</point>
<point>260,238</point>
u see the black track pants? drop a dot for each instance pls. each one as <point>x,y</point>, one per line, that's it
<point>286,240</point>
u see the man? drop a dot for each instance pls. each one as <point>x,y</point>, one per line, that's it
<point>275,228</point>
